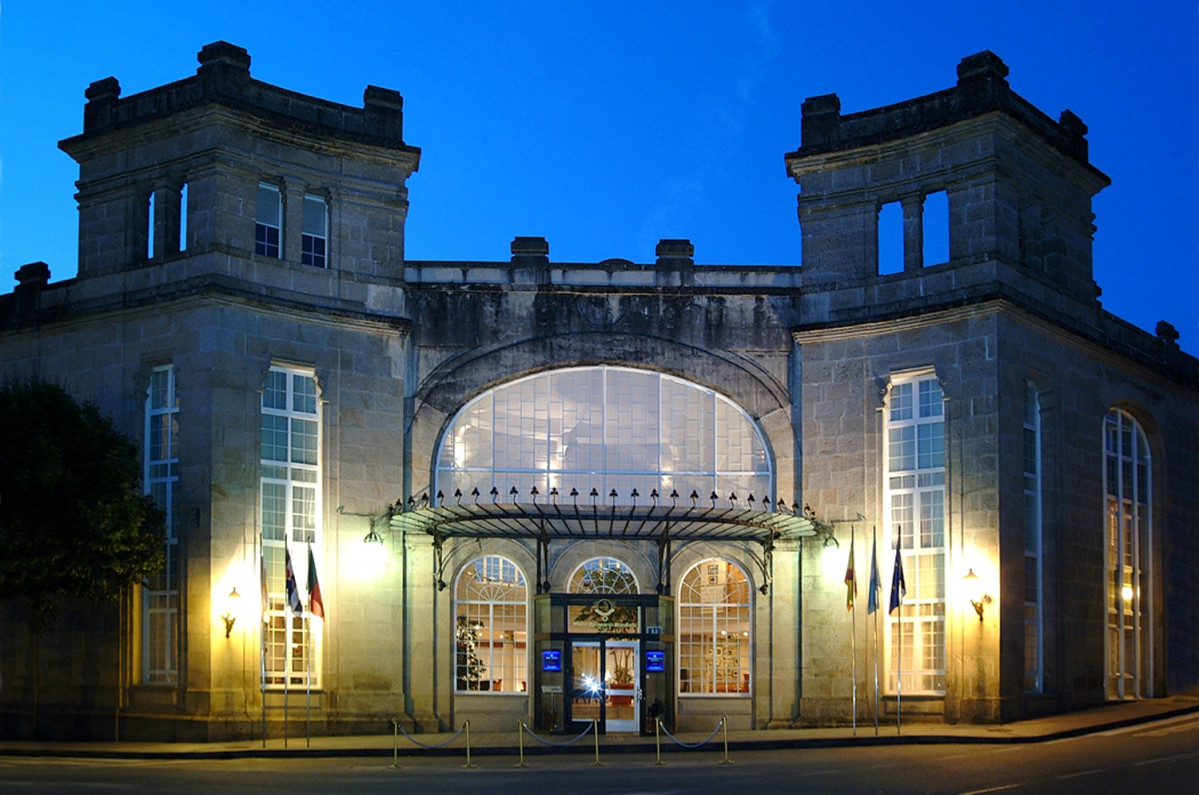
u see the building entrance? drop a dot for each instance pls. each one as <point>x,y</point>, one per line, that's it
<point>606,684</point>
<point>606,659</point>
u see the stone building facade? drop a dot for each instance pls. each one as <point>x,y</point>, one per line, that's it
<point>565,492</point>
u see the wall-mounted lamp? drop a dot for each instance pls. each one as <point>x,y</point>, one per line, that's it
<point>373,537</point>
<point>232,601</point>
<point>974,592</point>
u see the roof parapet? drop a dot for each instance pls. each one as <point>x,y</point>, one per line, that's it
<point>223,77</point>
<point>982,87</point>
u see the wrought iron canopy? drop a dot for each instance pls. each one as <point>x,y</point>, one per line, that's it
<point>571,521</point>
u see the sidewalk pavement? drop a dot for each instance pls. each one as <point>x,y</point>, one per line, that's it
<point>1055,727</point>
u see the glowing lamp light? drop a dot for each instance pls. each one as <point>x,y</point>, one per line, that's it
<point>232,603</point>
<point>974,592</point>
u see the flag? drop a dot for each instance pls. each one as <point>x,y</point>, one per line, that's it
<point>899,588</point>
<point>266,603</point>
<point>316,605</point>
<point>293,590</point>
<point>851,581</point>
<point>876,585</point>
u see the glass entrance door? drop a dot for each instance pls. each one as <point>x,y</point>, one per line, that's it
<point>607,684</point>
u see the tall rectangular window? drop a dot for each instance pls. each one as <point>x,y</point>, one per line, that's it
<point>890,239</point>
<point>183,217</point>
<point>290,493</point>
<point>315,238</point>
<point>151,216</point>
<point>1032,542</point>
<point>915,516</point>
<point>1128,483</point>
<point>160,598</point>
<point>268,227</point>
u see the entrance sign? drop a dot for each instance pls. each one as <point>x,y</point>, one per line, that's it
<point>655,661</point>
<point>551,660</point>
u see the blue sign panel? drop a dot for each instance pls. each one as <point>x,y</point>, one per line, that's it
<point>655,661</point>
<point>551,660</point>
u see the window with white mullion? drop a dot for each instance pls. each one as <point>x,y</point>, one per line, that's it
<point>607,428</point>
<point>314,237</point>
<point>290,519</point>
<point>915,519</point>
<point>160,597</point>
<point>491,627</point>
<point>1127,485</point>
<point>714,630</point>
<point>268,222</point>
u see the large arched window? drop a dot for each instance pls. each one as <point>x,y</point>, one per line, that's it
<point>603,576</point>
<point>714,629</point>
<point>604,429</point>
<point>1127,479</point>
<point>491,627</point>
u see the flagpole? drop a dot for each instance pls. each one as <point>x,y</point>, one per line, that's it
<point>853,633</point>
<point>263,624</point>
<point>289,612</point>
<point>874,587</point>
<point>286,673</point>
<point>899,641</point>
<point>307,688</point>
<point>308,664</point>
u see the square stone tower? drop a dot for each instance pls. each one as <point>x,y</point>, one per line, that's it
<point>222,163</point>
<point>1018,184</point>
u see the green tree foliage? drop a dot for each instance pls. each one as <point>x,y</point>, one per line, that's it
<point>73,518</point>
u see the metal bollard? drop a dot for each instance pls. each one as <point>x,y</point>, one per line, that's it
<point>724,723</point>
<point>595,730</point>
<point>520,739</point>
<point>658,740</point>
<point>466,728</point>
<point>395,744</point>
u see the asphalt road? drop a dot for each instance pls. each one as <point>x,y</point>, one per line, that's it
<point>1159,756</point>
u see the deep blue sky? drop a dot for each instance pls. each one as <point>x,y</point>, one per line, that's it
<point>606,126</point>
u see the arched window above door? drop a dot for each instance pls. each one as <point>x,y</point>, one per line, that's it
<point>613,435</point>
<point>603,576</point>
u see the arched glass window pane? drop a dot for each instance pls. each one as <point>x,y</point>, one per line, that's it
<point>1127,475</point>
<point>604,428</point>
<point>714,629</point>
<point>491,626</point>
<point>603,575</point>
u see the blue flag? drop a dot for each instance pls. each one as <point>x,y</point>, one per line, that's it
<point>876,585</point>
<point>293,591</point>
<point>899,588</point>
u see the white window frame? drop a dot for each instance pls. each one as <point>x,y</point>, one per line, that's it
<point>291,520</point>
<point>603,575</point>
<point>715,621</point>
<point>1128,506</point>
<point>314,243</point>
<point>725,453</point>
<point>160,596</point>
<point>916,481</point>
<point>479,607</point>
<point>263,225</point>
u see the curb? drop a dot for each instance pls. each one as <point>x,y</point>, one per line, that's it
<point>642,745</point>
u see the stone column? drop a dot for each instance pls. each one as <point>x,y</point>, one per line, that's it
<point>913,231</point>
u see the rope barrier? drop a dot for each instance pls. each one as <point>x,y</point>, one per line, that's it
<point>692,746</point>
<point>427,745</point>
<point>398,730</point>
<point>522,728</point>
<point>525,727</point>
